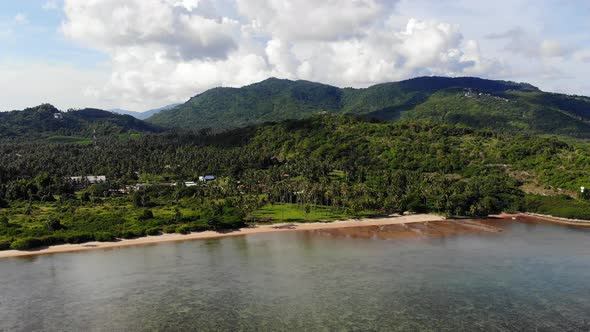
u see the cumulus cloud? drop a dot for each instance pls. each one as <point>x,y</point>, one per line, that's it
<point>312,19</point>
<point>165,51</point>
<point>113,26</point>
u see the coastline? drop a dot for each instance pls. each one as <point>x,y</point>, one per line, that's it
<point>545,217</point>
<point>259,229</point>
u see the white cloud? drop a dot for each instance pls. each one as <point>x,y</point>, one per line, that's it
<point>50,5</point>
<point>25,84</point>
<point>523,43</point>
<point>113,26</point>
<point>312,19</point>
<point>20,19</point>
<point>165,51</point>
<point>582,56</point>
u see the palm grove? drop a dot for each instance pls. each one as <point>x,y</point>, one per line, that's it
<point>321,167</point>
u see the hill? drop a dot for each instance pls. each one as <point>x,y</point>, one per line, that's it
<point>143,115</point>
<point>481,103</point>
<point>46,121</point>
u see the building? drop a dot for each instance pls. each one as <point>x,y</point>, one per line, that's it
<point>206,178</point>
<point>91,179</point>
<point>81,182</point>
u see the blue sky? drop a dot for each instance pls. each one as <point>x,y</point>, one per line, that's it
<point>142,54</point>
<point>38,39</point>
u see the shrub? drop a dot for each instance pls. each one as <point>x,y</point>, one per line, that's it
<point>146,215</point>
<point>184,229</point>
<point>50,240</point>
<point>4,203</point>
<point>128,234</point>
<point>153,231</point>
<point>170,229</point>
<point>4,244</point>
<point>104,237</point>
<point>25,243</point>
<point>199,227</point>
<point>132,233</point>
<point>79,238</point>
<point>48,198</point>
<point>53,224</point>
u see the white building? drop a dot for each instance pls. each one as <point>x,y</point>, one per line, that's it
<point>206,178</point>
<point>92,179</point>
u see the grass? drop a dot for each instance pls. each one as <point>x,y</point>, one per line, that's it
<point>70,140</point>
<point>292,212</point>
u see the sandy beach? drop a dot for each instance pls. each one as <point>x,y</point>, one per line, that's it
<point>544,217</point>
<point>259,229</point>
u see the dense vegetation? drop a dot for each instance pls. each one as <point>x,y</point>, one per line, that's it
<point>46,121</point>
<point>483,104</point>
<point>323,167</point>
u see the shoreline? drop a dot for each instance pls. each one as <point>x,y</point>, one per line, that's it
<point>258,229</point>
<point>545,217</point>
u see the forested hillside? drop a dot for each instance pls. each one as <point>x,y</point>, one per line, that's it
<point>342,164</point>
<point>46,121</point>
<point>484,104</point>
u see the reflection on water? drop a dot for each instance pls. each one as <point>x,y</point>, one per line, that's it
<point>532,276</point>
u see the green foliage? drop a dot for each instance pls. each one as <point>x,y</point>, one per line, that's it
<point>153,231</point>
<point>4,244</point>
<point>479,103</point>
<point>146,215</point>
<point>522,112</point>
<point>323,168</point>
<point>184,229</point>
<point>558,206</point>
<point>104,237</point>
<point>53,224</point>
<point>25,244</point>
<point>77,126</point>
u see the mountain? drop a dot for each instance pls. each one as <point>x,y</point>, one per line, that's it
<point>481,103</point>
<point>46,120</point>
<point>143,115</point>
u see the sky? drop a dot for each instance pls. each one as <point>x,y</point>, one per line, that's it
<point>143,54</point>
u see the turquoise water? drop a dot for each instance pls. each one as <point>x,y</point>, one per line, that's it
<point>532,277</point>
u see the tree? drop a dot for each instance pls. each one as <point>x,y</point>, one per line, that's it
<point>177,215</point>
<point>141,199</point>
<point>53,224</point>
<point>146,215</point>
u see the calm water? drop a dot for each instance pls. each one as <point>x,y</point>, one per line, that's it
<point>532,277</point>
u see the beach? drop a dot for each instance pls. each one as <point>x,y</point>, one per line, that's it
<point>258,229</point>
<point>544,217</point>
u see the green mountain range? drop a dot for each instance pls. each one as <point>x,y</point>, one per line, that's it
<point>480,103</point>
<point>47,121</point>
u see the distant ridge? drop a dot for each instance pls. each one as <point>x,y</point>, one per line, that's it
<point>476,102</point>
<point>143,115</point>
<point>46,120</point>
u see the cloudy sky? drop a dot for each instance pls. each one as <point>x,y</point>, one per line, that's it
<point>142,54</point>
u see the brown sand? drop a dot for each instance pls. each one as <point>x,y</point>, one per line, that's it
<point>289,227</point>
